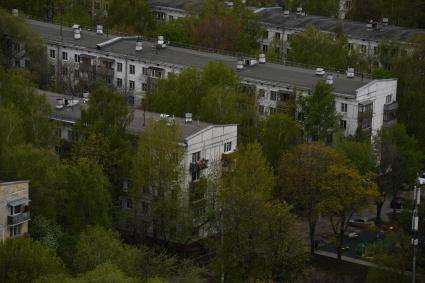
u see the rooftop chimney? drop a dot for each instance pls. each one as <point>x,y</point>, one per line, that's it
<point>239,64</point>
<point>286,13</point>
<point>99,29</point>
<point>188,117</point>
<point>77,31</point>
<point>139,46</point>
<point>161,42</point>
<point>262,58</point>
<point>15,12</point>
<point>329,80</point>
<point>385,21</point>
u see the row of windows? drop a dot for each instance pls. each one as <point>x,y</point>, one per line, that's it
<point>145,71</point>
<point>131,84</point>
<point>52,54</point>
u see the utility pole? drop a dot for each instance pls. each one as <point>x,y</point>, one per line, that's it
<point>415,224</point>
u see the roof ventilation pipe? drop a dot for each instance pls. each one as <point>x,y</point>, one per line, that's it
<point>139,46</point>
<point>239,64</point>
<point>99,30</point>
<point>77,31</point>
<point>286,13</point>
<point>299,11</point>
<point>15,12</point>
<point>262,58</point>
<point>188,117</point>
<point>161,42</point>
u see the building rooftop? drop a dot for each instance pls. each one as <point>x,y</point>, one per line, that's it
<point>269,73</point>
<point>72,114</point>
<point>174,4</point>
<point>275,17</point>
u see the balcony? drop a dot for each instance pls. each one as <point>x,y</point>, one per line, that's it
<point>18,218</point>
<point>87,68</point>
<point>106,72</point>
<point>199,165</point>
<point>365,115</point>
<point>391,107</point>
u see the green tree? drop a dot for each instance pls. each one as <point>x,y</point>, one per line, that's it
<point>361,154</point>
<point>46,231</point>
<point>14,32</point>
<point>178,30</point>
<point>257,235</point>
<point>24,260</point>
<point>278,133</point>
<point>327,8</point>
<point>18,95</point>
<point>400,161</point>
<point>301,171</point>
<point>344,192</point>
<point>157,176</point>
<point>394,255</point>
<point>83,195</point>
<point>320,116</point>
<point>101,134</point>
<point>131,16</point>
<point>25,162</point>
<point>316,48</point>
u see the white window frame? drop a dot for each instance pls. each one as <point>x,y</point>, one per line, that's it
<point>228,147</point>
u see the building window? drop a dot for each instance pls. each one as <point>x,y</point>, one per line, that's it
<point>157,74</point>
<point>266,35</point>
<point>131,85</point>
<point>70,135</point>
<point>15,230</point>
<point>128,204</point>
<point>59,133</point>
<point>265,48</point>
<point>132,69</point>
<point>344,107</point>
<point>52,54</point>
<point>145,71</point>
<point>119,67</point>
<point>196,156</point>
<point>64,56</point>
<point>170,18</point>
<point>366,108</point>
<point>15,210</point>
<point>77,58</point>
<point>261,109</point>
<point>343,124</point>
<point>273,95</point>
<point>277,35</point>
<point>389,99</point>
<point>350,46</point>
<point>228,146</point>
<point>119,82</point>
<point>363,48</point>
<point>261,92</point>
<point>144,87</point>
<point>195,175</point>
<point>145,208</point>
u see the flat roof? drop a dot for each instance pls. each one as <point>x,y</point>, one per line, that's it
<point>268,73</point>
<point>72,114</point>
<point>174,4</point>
<point>275,17</point>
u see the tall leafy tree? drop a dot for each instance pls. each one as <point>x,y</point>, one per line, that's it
<point>157,179</point>
<point>345,192</point>
<point>131,16</point>
<point>301,171</point>
<point>84,195</point>
<point>17,93</point>
<point>327,8</point>
<point>320,117</point>
<point>316,48</point>
<point>257,235</point>
<point>101,134</point>
<point>278,133</point>
<point>15,33</point>
<point>400,161</point>
<point>25,260</point>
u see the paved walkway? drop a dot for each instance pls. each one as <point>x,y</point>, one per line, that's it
<point>347,259</point>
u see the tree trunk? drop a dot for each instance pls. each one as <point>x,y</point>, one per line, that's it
<point>340,242</point>
<point>312,231</point>
<point>379,205</point>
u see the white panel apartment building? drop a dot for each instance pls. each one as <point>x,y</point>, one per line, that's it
<point>14,209</point>
<point>204,144</point>
<point>281,24</point>
<point>362,102</point>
